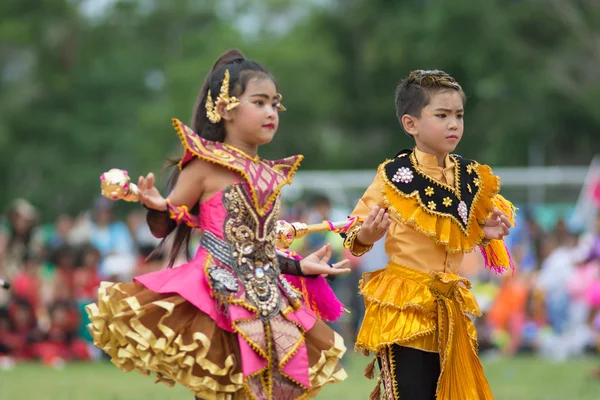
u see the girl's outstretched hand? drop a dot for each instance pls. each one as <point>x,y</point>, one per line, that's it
<point>317,263</point>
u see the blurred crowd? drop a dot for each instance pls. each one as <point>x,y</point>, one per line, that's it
<point>550,305</point>
<point>55,270</point>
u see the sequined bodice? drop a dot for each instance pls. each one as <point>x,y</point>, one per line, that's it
<point>244,248</point>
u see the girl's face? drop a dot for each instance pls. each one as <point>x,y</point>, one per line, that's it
<point>256,119</point>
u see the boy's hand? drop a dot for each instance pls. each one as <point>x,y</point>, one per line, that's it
<point>497,226</point>
<point>375,226</point>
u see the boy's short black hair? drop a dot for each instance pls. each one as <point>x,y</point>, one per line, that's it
<point>414,92</point>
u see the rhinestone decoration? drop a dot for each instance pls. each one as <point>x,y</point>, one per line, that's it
<point>463,212</point>
<point>288,287</point>
<point>403,175</point>
<point>222,277</point>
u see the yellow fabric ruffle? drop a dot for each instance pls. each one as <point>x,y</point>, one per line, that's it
<point>429,312</point>
<point>441,227</point>
<point>402,309</point>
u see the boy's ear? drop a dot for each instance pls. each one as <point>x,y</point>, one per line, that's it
<point>409,123</point>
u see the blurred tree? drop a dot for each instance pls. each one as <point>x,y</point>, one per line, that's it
<point>84,91</point>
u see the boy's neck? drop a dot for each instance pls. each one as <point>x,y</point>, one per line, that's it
<point>441,158</point>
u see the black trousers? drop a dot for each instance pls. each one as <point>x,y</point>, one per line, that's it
<point>408,373</point>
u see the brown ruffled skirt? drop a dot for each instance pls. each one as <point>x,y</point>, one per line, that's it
<point>166,335</point>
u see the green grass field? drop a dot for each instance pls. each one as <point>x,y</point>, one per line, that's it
<point>512,379</point>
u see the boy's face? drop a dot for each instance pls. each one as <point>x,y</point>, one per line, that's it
<point>441,125</point>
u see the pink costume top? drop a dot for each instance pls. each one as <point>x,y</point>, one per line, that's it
<point>234,276</point>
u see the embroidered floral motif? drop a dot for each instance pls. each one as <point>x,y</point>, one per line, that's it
<point>447,201</point>
<point>429,191</point>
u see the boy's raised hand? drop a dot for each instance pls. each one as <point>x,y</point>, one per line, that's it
<point>374,227</point>
<point>497,226</point>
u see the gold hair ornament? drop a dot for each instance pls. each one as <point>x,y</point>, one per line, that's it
<point>279,106</point>
<point>212,112</point>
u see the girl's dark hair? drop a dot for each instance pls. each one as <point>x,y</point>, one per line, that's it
<point>241,72</point>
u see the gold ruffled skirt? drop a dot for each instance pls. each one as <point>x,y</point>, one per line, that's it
<point>166,335</point>
<point>429,312</point>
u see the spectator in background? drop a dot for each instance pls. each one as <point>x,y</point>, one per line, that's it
<point>113,240</point>
<point>27,284</point>
<point>322,210</point>
<point>86,282</point>
<point>25,328</point>
<point>9,340</point>
<point>63,281</point>
<point>86,277</point>
<point>60,232</point>
<point>16,237</point>
<point>140,232</point>
<point>552,280</point>
<point>61,342</point>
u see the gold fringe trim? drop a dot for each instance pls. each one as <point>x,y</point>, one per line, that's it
<point>370,369</point>
<point>356,248</point>
<point>495,252</point>
<point>376,393</point>
<point>444,229</point>
<point>225,159</point>
<point>392,361</point>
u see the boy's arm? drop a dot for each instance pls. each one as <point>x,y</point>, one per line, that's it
<point>494,251</point>
<point>371,198</point>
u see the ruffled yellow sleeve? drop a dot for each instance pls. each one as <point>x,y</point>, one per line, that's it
<point>495,253</point>
<point>371,197</point>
